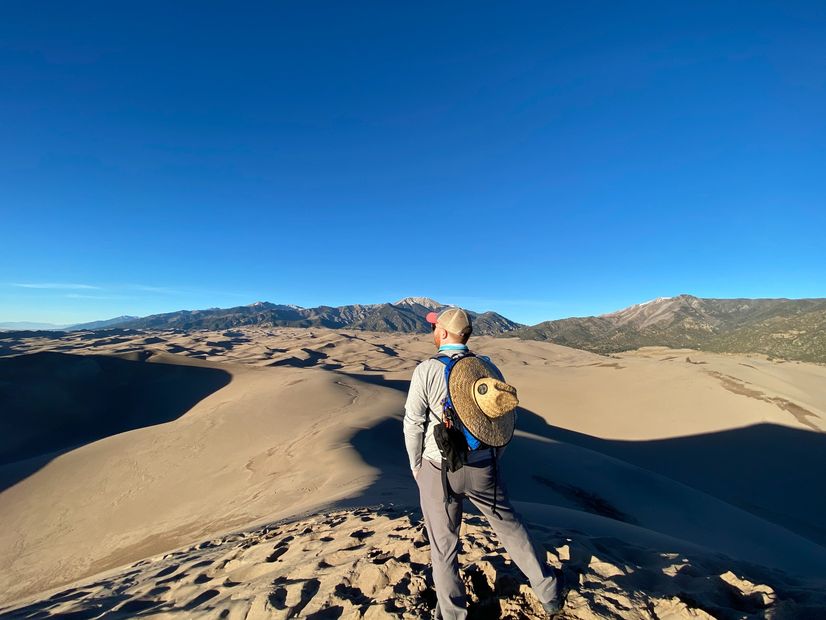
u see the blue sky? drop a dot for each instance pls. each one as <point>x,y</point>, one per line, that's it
<point>539,159</point>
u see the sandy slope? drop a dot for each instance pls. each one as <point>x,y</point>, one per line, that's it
<point>250,450</point>
<point>652,452</point>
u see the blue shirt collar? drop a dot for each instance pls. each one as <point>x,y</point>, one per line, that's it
<point>453,347</point>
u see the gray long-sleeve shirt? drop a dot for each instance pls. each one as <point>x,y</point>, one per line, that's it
<point>423,410</point>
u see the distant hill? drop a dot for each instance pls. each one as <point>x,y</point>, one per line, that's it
<point>785,328</point>
<point>405,315</point>
<point>27,325</point>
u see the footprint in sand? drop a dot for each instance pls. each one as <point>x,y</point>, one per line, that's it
<point>167,571</point>
<point>377,556</point>
<point>279,551</point>
<point>335,521</point>
<point>171,579</point>
<point>203,597</point>
<point>352,594</point>
<point>137,605</point>
<point>278,597</point>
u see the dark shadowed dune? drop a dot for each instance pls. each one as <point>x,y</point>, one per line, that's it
<point>51,402</point>
<point>771,470</point>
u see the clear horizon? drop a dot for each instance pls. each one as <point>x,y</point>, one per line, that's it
<point>558,160</point>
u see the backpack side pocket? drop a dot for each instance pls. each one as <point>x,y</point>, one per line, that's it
<point>452,446</point>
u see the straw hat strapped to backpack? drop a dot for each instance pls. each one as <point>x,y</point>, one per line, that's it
<point>483,402</point>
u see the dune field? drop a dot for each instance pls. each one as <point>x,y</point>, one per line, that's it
<point>261,473</point>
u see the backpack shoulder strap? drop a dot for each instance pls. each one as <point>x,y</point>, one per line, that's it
<point>444,359</point>
<point>450,361</point>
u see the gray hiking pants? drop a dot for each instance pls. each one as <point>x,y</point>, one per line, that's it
<point>476,482</point>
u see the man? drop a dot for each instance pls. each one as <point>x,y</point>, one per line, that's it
<point>477,480</point>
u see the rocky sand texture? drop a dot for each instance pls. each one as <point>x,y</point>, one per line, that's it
<point>373,562</point>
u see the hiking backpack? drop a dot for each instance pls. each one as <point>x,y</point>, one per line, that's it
<point>452,437</point>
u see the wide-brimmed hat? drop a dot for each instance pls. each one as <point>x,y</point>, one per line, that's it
<point>485,404</point>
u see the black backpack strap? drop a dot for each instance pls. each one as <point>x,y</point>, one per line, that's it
<point>495,481</point>
<point>445,487</point>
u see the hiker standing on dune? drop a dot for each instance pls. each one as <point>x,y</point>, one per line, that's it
<point>459,416</point>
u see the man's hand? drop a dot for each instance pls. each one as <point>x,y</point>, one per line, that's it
<point>416,473</point>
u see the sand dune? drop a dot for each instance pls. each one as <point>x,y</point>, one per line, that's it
<point>635,459</point>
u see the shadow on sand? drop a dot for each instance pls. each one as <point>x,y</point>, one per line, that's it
<point>51,402</point>
<point>770,470</point>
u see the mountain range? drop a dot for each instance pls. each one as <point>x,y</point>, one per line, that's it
<point>405,315</point>
<point>792,329</point>
<point>784,328</point>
